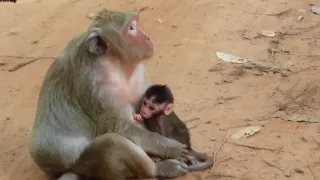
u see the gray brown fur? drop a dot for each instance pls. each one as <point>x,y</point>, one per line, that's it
<point>81,128</point>
<point>172,127</point>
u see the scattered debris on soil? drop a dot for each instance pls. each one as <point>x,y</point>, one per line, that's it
<point>246,132</point>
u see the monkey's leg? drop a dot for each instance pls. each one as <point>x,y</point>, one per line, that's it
<point>111,156</point>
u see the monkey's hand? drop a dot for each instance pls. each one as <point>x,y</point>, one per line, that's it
<point>171,168</point>
<point>174,149</point>
<point>154,143</point>
<point>138,117</point>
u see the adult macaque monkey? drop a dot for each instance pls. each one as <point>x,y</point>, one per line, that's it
<point>84,124</point>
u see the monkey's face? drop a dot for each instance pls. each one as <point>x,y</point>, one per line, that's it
<point>139,44</point>
<point>150,108</point>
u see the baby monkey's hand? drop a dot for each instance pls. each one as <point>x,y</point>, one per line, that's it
<point>138,117</point>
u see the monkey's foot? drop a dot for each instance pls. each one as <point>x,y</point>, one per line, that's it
<point>171,168</point>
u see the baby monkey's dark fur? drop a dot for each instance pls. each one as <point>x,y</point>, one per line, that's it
<point>171,126</point>
<point>13,1</point>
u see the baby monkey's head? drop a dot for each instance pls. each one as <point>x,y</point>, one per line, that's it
<point>157,100</point>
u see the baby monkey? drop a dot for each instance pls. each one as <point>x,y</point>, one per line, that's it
<point>157,101</point>
<point>156,114</point>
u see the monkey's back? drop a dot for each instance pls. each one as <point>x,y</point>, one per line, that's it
<point>179,130</point>
<point>171,127</point>
<point>60,122</point>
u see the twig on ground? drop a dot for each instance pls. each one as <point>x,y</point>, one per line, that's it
<point>267,118</point>
<point>253,147</point>
<point>307,29</point>
<point>224,160</point>
<point>222,175</point>
<point>143,9</point>
<point>301,93</point>
<point>284,106</point>
<point>271,14</point>
<point>20,65</point>
<point>192,119</point>
<point>220,147</point>
<point>312,172</point>
<point>274,49</point>
<point>262,68</point>
<point>305,69</point>
<point>193,127</point>
<point>272,165</point>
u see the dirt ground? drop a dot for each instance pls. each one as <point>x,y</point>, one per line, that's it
<point>212,96</point>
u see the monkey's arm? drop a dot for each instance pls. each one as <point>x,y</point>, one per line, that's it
<point>153,143</point>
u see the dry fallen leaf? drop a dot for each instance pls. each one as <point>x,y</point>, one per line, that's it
<point>315,9</point>
<point>246,132</point>
<point>91,15</point>
<point>268,33</point>
<point>230,58</point>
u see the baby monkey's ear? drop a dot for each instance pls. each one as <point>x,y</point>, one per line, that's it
<point>168,109</point>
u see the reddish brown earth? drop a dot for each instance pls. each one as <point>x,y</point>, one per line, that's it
<point>215,95</point>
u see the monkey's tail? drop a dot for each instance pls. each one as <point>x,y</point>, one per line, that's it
<point>205,162</point>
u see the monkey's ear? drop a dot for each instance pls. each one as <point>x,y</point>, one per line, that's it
<point>96,44</point>
<point>168,109</point>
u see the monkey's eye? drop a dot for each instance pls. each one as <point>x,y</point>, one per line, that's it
<point>132,27</point>
<point>144,103</point>
<point>151,108</point>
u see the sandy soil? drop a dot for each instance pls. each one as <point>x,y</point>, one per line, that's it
<point>213,96</point>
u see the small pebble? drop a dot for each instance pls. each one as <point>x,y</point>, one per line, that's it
<point>2,63</point>
<point>300,18</point>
